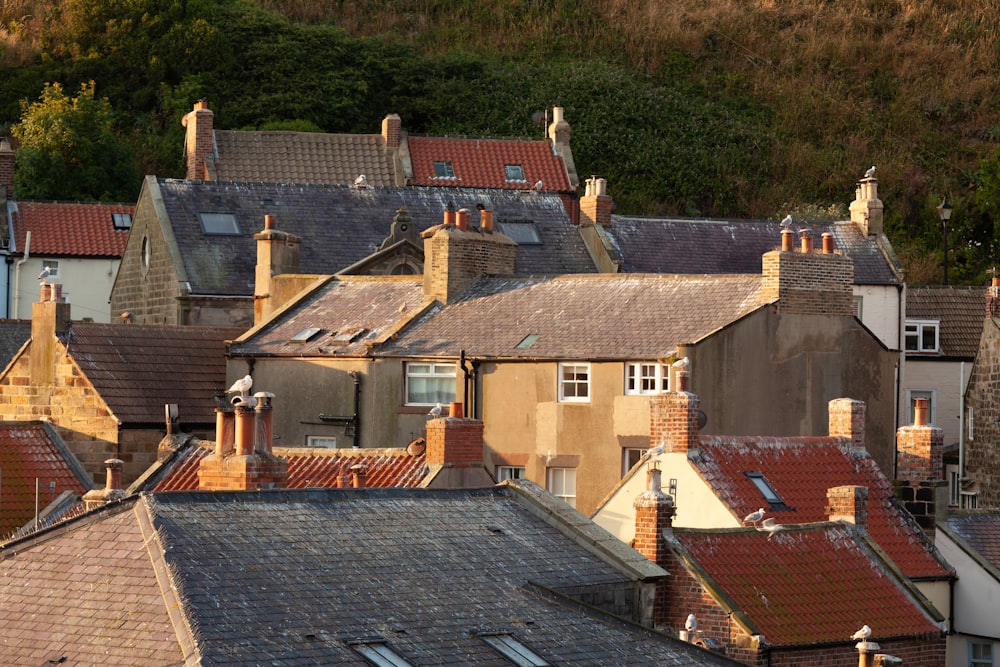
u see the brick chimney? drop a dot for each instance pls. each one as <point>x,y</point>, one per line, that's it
<point>674,420</point>
<point>866,209</point>
<point>199,141</point>
<point>455,441</point>
<point>6,169</point>
<point>277,254</point>
<point>454,258</point>
<point>808,282</point>
<point>559,133</point>
<point>112,489</point>
<point>847,420</point>
<point>993,298</point>
<point>49,318</point>
<point>848,503</point>
<point>392,126</point>
<point>596,204</point>
<point>246,463</point>
<point>654,516</point>
<point>919,448</point>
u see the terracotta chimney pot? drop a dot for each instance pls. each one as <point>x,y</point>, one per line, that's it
<point>806,239</point>
<point>486,221</point>
<point>827,243</point>
<point>920,412</point>
<point>787,241</point>
<point>462,219</point>
<point>455,410</point>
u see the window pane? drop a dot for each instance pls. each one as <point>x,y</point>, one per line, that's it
<point>574,383</point>
<point>429,384</point>
<point>929,338</point>
<point>562,484</point>
<point>509,472</point>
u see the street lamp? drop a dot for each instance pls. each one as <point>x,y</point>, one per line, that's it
<point>944,212</point>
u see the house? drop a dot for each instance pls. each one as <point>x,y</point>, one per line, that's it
<point>190,258</point>
<point>968,539</point>
<point>104,387</point>
<point>561,368</point>
<point>494,576</point>
<point>717,480</point>
<point>78,245</point>
<point>36,469</point>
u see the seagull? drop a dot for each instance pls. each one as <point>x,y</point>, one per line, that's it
<point>787,222</point>
<point>769,526</point>
<point>435,411</point>
<point>538,185</point>
<point>754,517</point>
<point>361,182</point>
<point>126,317</point>
<point>659,449</point>
<point>691,624</point>
<point>44,275</point>
<point>870,172</point>
<point>241,386</point>
<point>863,634</point>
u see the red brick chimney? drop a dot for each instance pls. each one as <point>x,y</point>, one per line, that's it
<point>807,282</point>
<point>919,449</point>
<point>848,503</point>
<point>455,441</point>
<point>595,205</point>
<point>248,464</point>
<point>277,254</point>
<point>6,169</point>
<point>654,516</point>
<point>847,420</point>
<point>199,142</point>
<point>113,486</point>
<point>392,126</point>
<point>455,258</point>
<point>993,298</point>
<point>49,318</point>
<point>674,420</point>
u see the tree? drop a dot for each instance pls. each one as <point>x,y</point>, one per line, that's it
<point>69,149</point>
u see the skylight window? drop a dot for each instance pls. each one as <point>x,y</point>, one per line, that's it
<point>514,172</point>
<point>122,220</point>
<point>443,169</point>
<point>304,335</point>
<point>514,650</point>
<point>347,336</point>
<point>219,223</point>
<point>378,653</point>
<point>527,341</point>
<point>765,488</point>
<point>522,231</point>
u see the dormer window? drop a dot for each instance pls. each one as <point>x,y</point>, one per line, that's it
<point>514,172</point>
<point>922,336</point>
<point>443,169</point>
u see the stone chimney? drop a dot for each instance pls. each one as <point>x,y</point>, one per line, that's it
<point>454,258</point>
<point>246,462</point>
<point>807,282</point>
<point>595,205</point>
<point>993,298</point>
<point>277,254</point>
<point>674,420</point>
<point>559,134</point>
<point>113,487</point>
<point>6,170</point>
<point>199,141</point>
<point>847,420</point>
<point>866,209</point>
<point>919,448</point>
<point>455,441</point>
<point>848,503</point>
<point>392,126</point>
<point>49,318</point>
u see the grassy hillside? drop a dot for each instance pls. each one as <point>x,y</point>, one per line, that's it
<point>702,107</point>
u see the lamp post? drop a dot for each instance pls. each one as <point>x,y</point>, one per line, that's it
<point>944,212</point>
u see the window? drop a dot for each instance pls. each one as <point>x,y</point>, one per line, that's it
<point>646,377</point>
<point>378,653</point>
<point>509,472</point>
<point>144,255</point>
<point>513,650</point>
<point>574,382</point>
<point>52,265</point>
<point>527,341</point>
<point>522,231</point>
<point>765,488</point>
<point>443,170</point>
<point>121,220</point>
<point>514,172</point>
<point>858,303</point>
<point>562,484</point>
<point>954,485</point>
<point>630,456</point>
<point>921,336</point>
<point>913,395</point>
<point>322,441</point>
<point>980,653</point>
<point>219,223</point>
<point>304,335</point>
<point>429,383</point>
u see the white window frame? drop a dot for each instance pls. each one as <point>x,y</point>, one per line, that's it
<point>980,660</point>
<point>574,382</point>
<point>444,169</point>
<point>644,378</point>
<point>505,473</point>
<point>916,330</point>
<point>561,483</point>
<point>511,173</point>
<point>321,441</point>
<point>52,265</point>
<point>631,456</point>
<point>930,395</point>
<point>436,372</point>
<point>954,484</point>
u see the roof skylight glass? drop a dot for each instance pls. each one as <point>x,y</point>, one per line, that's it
<point>219,223</point>
<point>514,172</point>
<point>514,650</point>
<point>379,654</point>
<point>304,335</point>
<point>443,169</point>
<point>765,488</point>
<point>522,231</point>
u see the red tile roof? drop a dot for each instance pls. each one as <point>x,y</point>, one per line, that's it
<point>801,470</point>
<point>70,229</point>
<point>313,468</point>
<point>29,451</point>
<point>807,584</point>
<point>479,163</point>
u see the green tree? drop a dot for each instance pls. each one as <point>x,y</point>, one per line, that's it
<point>69,150</point>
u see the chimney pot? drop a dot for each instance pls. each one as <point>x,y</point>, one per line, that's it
<point>455,410</point>
<point>920,412</point>
<point>787,240</point>
<point>358,472</point>
<point>114,476</point>
<point>268,222</point>
<point>486,221</point>
<point>828,243</point>
<point>462,219</point>
<point>244,430</point>
<point>806,239</point>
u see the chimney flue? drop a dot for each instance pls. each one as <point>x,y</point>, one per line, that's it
<point>920,412</point>
<point>806,240</point>
<point>462,219</point>
<point>787,240</point>
<point>486,221</point>
<point>827,243</point>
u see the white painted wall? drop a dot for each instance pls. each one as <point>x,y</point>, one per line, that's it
<point>86,286</point>
<point>977,599</point>
<point>943,378</point>
<point>880,312</point>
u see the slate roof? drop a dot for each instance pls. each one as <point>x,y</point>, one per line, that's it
<point>479,163</point>
<point>67,229</point>
<point>980,530</point>
<point>300,157</point>
<point>138,368</point>
<point>341,225</point>
<point>291,577</point>
<point>801,470</point>
<point>30,451</point>
<point>598,317</point>
<point>308,467</point>
<point>960,311</point>
<point>687,245</point>
<point>808,584</point>
<point>13,335</point>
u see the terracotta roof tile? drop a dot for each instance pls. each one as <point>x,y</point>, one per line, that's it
<point>960,311</point>
<point>30,451</point>
<point>801,470</point>
<point>138,368</point>
<point>70,229</point>
<point>807,584</point>
<point>479,163</point>
<point>981,529</point>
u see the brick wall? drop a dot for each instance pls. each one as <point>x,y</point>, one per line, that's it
<point>808,283</point>
<point>454,259</point>
<point>848,503</point>
<point>595,205</point>
<point>673,421</point>
<point>919,453</point>
<point>7,169</point>
<point>455,440</point>
<point>654,514</point>
<point>847,420</point>
<point>391,129</point>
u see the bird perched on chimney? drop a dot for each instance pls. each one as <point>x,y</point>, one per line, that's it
<point>691,624</point>
<point>539,185</point>
<point>44,275</point>
<point>787,222</point>
<point>241,386</point>
<point>871,172</point>
<point>126,317</point>
<point>863,634</point>
<point>435,411</point>
<point>754,517</point>
<point>361,181</point>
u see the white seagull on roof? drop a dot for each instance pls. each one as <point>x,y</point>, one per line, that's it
<point>44,275</point>
<point>361,181</point>
<point>539,185</point>
<point>870,172</point>
<point>435,411</point>
<point>691,624</point>
<point>241,386</point>
<point>863,634</point>
<point>754,517</point>
<point>787,222</point>
<point>770,527</point>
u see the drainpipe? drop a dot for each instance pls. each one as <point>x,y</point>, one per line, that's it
<point>356,417</point>
<point>17,273</point>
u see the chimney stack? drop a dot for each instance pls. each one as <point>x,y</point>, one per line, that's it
<point>113,486</point>
<point>6,170</point>
<point>993,298</point>
<point>392,126</point>
<point>198,141</point>
<point>248,463</point>
<point>596,205</point>
<point>866,209</point>
<point>454,440</point>
<point>49,319</point>
<point>674,421</point>
<point>920,448</point>
<point>654,516</point>
<point>277,254</point>
<point>848,503</point>
<point>455,258</point>
<point>808,283</point>
<point>847,420</point>
<point>559,133</point>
